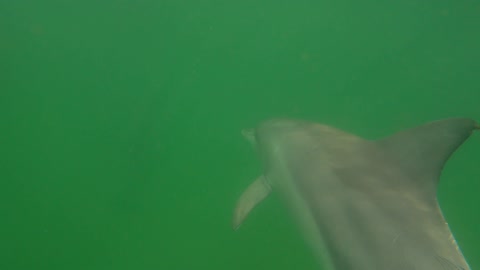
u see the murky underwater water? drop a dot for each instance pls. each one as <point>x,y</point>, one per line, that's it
<point>121,120</point>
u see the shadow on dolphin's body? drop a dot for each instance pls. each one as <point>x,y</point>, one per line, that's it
<point>361,204</point>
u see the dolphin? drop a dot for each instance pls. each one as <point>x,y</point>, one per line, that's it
<point>361,204</point>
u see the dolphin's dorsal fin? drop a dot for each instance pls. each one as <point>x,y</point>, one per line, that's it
<point>253,195</point>
<point>423,150</point>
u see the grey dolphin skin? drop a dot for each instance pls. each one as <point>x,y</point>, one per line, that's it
<point>361,204</point>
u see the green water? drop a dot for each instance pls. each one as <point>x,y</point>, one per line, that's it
<point>120,120</point>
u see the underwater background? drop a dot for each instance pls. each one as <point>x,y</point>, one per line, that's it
<point>120,120</point>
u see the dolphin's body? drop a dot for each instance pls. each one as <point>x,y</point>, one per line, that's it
<point>362,205</point>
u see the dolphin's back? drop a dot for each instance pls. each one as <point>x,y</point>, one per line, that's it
<point>363,205</point>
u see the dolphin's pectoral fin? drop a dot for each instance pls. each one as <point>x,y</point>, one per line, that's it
<point>253,195</point>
